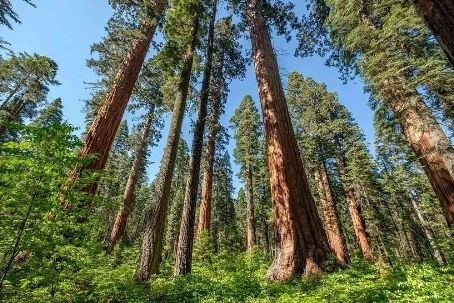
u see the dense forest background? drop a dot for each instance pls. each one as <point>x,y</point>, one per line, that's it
<point>169,191</point>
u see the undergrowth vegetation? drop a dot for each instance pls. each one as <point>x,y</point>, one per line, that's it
<point>240,277</point>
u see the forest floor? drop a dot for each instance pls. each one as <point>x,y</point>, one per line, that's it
<point>240,277</point>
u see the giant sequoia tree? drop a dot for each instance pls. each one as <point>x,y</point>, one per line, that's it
<point>393,62</point>
<point>439,17</point>
<point>302,241</point>
<point>99,136</point>
<point>149,97</point>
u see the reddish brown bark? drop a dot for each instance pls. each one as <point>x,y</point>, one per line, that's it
<point>183,261</point>
<point>332,222</point>
<point>359,226</point>
<point>151,249</point>
<point>427,139</point>
<point>438,15</point>
<point>207,183</point>
<point>100,135</point>
<point>250,219</point>
<point>121,218</point>
<point>303,245</point>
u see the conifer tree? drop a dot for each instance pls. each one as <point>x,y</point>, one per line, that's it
<point>246,122</point>
<point>183,261</point>
<point>311,105</point>
<point>147,96</point>
<point>100,135</point>
<point>25,81</point>
<point>50,115</point>
<point>185,40</point>
<point>303,245</point>
<point>384,52</point>
<point>228,64</point>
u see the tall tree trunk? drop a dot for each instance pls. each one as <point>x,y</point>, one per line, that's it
<point>250,218</point>
<point>151,250</point>
<point>303,243</point>
<point>100,135</point>
<point>207,183</point>
<point>428,141</point>
<point>183,262</point>
<point>437,254</point>
<point>354,208</point>
<point>332,222</point>
<point>438,15</point>
<point>119,224</point>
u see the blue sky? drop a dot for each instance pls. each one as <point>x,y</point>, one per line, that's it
<point>64,30</point>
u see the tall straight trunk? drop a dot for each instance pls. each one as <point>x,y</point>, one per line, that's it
<point>151,249</point>
<point>332,222</point>
<point>436,252</point>
<point>303,245</point>
<point>354,208</point>
<point>100,135</point>
<point>427,139</point>
<point>250,218</point>
<point>438,15</point>
<point>183,261</point>
<point>119,224</point>
<point>207,182</point>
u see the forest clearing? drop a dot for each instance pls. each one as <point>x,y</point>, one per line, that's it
<point>226,151</point>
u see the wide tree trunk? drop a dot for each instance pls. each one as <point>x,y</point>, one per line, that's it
<point>183,261</point>
<point>354,208</point>
<point>151,249</point>
<point>438,15</point>
<point>332,222</point>
<point>207,182</point>
<point>433,149</point>
<point>436,252</point>
<point>121,218</point>
<point>250,218</point>
<point>303,245</point>
<point>100,135</point>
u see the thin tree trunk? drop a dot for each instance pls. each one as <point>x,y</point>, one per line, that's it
<point>207,183</point>
<point>100,135</point>
<point>429,142</point>
<point>354,208</point>
<point>151,250</point>
<point>9,262</point>
<point>183,262</point>
<point>437,254</point>
<point>438,15</point>
<point>303,243</point>
<point>332,222</point>
<point>250,218</point>
<point>119,224</point>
